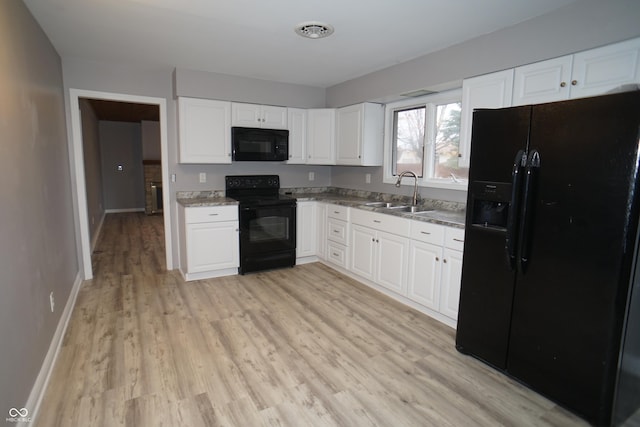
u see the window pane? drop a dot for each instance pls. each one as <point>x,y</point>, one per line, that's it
<point>447,147</point>
<point>409,140</point>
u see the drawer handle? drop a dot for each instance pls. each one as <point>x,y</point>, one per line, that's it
<point>213,214</point>
<point>336,231</point>
<point>335,254</point>
<point>336,212</point>
<point>377,221</point>
<point>424,232</point>
<point>458,240</point>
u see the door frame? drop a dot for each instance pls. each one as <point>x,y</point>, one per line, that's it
<point>79,173</point>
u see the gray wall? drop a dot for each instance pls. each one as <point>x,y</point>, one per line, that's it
<point>37,241</point>
<point>150,140</point>
<point>92,168</point>
<point>121,144</point>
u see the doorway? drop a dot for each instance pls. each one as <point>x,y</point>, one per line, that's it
<point>124,103</point>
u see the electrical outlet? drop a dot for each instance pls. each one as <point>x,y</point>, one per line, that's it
<point>203,177</point>
<point>367,178</point>
<point>173,177</point>
<point>52,301</point>
<point>312,176</point>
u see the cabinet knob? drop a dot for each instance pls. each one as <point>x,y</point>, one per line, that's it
<point>373,240</point>
<point>437,259</point>
<point>377,241</point>
<point>444,260</point>
<point>563,84</point>
<point>574,82</point>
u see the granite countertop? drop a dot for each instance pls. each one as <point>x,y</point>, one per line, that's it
<point>440,212</point>
<point>437,214</point>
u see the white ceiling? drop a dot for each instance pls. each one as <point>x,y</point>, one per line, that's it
<point>255,38</point>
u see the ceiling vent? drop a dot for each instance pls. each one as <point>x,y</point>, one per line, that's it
<point>314,30</point>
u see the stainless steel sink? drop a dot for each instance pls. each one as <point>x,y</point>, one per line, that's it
<point>383,205</point>
<point>412,209</point>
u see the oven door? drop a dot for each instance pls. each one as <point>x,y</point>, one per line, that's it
<point>267,229</point>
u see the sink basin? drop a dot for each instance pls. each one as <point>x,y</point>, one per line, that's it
<point>383,205</point>
<point>404,208</point>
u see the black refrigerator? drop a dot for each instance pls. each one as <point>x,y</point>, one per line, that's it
<point>550,286</point>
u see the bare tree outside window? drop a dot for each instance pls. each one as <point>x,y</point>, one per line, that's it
<point>447,149</point>
<point>409,128</point>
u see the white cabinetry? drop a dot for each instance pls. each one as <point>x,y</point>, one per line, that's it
<point>209,245</point>
<point>359,130</point>
<point>321,239</point>
<point>297,123</point>
<point>337,235</point>
<point>589,73</point>
<point>321,136</point>
<point>258,116</point>
<point>380,248</point>
<point>488,91</point>
<point>306,227</point>
<point>204,130</point>
<point>435,267</point>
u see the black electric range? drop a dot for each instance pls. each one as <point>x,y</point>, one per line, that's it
<point>267,222</point>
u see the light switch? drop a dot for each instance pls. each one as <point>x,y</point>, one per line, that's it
<point>367,178</point>
<point>312,176</point>
<point>203,177</point>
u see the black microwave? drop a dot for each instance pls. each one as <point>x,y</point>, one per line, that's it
<point>252,144</point>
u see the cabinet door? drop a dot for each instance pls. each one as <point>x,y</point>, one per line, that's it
<point>489,91</point>
<point>363,245</point>
<point>425,265</point>
<point>306,229</point>
<point>349,135</point>
<point>545,81</point>
<point>392,254</point>
<point>451,278</point>
<point>204,130</point>
<point>246,115</point>
<point>597,71</point>
<point>274,117</point>
<point>205,251</point>
<point>321,139</point>
<point>321,236</point>
<point>297,123</point>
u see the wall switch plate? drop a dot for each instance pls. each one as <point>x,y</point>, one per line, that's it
<point>203,177</point>
<point>173,177</point>
<point>312,176</point>
<point>367,178</point>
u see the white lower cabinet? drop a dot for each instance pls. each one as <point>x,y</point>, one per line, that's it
<point>337,237</point>
<point>209,245</point>
<point>378,255</point>
<point>435,267</point>
<point>306,230</point>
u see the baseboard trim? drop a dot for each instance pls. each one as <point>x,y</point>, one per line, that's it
<point>108,211</point>
<point>40,386</point>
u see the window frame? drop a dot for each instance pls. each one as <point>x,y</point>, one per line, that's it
<point>430,102</point>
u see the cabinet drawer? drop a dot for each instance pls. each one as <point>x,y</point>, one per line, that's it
<point>454,238</point>
<point>337,231</point>
<point>338,212</point>
<point>337,254</point>
<point>389,223</point>
<point>427,232</point>
<point>200,214</point>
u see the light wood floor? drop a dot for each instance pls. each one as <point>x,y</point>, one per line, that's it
<point>292,347</point>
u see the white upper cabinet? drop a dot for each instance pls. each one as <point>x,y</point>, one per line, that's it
<point>297,122</point>
<point>488,91</point>
<point>597,71</point>
<point>544,81</point>
<point>204,130</point>
<point>359,131</point>
<point>258,116</point>
<point>321,136</point>
<point>589,73</point>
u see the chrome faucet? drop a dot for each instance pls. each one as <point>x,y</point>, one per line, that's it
<point>415,184</point>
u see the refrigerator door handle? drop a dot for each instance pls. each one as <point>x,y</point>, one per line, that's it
<point>530,184</point>
<point>519,162</point>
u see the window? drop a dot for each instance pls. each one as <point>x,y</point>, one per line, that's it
<point>423,136</point>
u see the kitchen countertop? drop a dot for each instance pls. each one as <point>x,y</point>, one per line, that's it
<point>450,218</point>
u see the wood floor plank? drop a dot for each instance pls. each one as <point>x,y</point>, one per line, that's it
<point>302,346</point>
